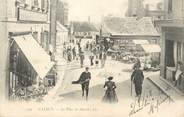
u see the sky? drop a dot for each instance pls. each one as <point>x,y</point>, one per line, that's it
<point>79,10</point>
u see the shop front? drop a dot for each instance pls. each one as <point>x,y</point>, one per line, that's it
<point>29,66</point>
<point>172,54</point>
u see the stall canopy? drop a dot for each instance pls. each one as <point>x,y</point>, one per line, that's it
<point>141,41</point>
<point>35,54</point>
<point>151,48</point>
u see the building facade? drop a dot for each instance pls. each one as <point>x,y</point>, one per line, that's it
<point>172,28</point>
<point>135,9</point>
<point>28,29</point>
<point>62,13</point>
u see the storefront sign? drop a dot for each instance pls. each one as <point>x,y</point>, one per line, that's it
<point>27,15</point>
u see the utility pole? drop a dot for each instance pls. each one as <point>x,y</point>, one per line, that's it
<point>4,50</point>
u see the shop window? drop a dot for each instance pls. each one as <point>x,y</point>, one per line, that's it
<point>179,51</point>
<point>169,53</point>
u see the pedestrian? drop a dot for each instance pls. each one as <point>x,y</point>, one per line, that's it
<point>69,55</point>
<point>87,45</point>
<point>91,46</point>
<point>178,73</point>
<point>137,78</point>
<point>84,80</point>
<point>110,93</point>
<point>137,64</point>
<point>103,59</point>
<point>74,53</point>
<point>91,57</point>
<point>82,59</point>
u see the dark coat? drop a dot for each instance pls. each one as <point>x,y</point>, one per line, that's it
<point>137,77</point>
<point>110,94</point>
<point>85,77</point>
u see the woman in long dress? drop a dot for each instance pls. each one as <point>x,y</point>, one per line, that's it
<point>110,94</point>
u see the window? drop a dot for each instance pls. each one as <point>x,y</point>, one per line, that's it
<point>183,52</point>
<point>179,51</point>
<point>42,39</point>
<point>46,36</point>
<point>35,3</point>
<point>170,6</point>
<point>44,4</point>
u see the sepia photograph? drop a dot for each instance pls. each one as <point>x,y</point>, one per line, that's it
<point>91,58</point>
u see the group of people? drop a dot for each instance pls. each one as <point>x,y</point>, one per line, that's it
<point>98,55</point>
<point>70,52</point>
<point>110,96</point>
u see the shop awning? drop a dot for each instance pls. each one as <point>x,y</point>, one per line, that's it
<point>141,41</point>
<point>151,48</point>
<point>35,54</point>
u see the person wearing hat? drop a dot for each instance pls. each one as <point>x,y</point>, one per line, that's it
<point>137,64</point>
<point>110,93</point>
<point>137,78</point>
<point>84,80</point>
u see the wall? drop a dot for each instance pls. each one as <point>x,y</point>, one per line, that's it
<point>4,50</point>
<point>177,9</point>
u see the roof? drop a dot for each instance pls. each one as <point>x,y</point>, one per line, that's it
<point>130,26</point>
<point>84,27</point>
<point>60,27</point>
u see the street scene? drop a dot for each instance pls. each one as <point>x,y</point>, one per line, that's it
<point>92,58</point>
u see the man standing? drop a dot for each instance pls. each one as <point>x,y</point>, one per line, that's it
<point>74,53</point>
<point>137,78</point>
<point>81,59</point>
<point>103,59</point>
<point>84,80</point>
<point>91,57</point>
